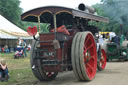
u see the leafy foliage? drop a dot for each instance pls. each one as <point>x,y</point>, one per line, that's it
<point>116,11</point>
<point>44,28</point>
<point>114,14</point>
<point>11,10</point>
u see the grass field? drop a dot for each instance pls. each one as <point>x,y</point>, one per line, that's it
<point>19,70</point>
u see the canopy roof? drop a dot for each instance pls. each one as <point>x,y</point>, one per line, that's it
<point>11,31</point>
<point>47,11</point>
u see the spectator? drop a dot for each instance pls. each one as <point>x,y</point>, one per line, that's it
<point>122,38</point>
<point>24,46</point>
<point>111,35</point>
<point>29,47</point>
<point>0,50</point>
<point>19,52</point>
<point>3,71</point>
<point>116,40</point>
<point>19,41</point>
<point>101,40</point>
<point>6,50</point>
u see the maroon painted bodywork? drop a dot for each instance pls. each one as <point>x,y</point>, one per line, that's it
<point>57,60</point>
<point>63,55</point>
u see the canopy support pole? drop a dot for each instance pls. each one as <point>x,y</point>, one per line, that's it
<point>54,19</point>
<point>39,23</point>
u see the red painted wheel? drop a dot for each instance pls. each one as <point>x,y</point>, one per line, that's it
<point>84,56</point>
<point>102,61</point>
<point>37,68</point>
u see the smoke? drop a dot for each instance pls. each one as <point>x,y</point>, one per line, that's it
<point>117,10</point>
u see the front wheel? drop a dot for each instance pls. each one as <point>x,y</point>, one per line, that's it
<point>37,68</point>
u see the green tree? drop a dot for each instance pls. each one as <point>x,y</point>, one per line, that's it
<point>10,9</point>
<point>114,17</point>
<point>117,12</point>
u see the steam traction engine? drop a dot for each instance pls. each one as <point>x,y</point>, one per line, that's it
<point>69,44</point>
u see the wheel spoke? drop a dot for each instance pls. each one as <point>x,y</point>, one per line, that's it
<point>85,60</point>
<point>87,72</point>
<point>86,41</point>
<point>93,57</point>
<point>88,57</point>
<point>102,61</point>
<point>87,54</point>
<point>85,50</point>
<point>90,46</point>
<point>90,67</point>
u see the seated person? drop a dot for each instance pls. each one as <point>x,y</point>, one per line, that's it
<point>6,49</point>
<point>115,40</point>
<point>3,71</point>
<point>2,49</point>
<point>19,52</point>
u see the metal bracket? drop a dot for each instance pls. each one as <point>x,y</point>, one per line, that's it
<point>36,38</point>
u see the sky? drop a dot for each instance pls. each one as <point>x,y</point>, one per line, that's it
<point>31,4</point>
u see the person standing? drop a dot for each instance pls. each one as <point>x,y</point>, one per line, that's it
<point>19,41</point>
<point>24,46</point>
<point>122,38</point>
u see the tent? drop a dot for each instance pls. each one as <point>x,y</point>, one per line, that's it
<point>10,31</point>
<point>9,34</point>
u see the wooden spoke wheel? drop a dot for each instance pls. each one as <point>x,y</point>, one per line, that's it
<point>84,56</point>
<point>37,68</point>
<point>101,64</point>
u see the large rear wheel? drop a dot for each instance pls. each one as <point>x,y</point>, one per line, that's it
<point>36,65</point>
<point>84,56</point>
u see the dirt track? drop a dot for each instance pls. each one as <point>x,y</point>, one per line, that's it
<point>116,73</point>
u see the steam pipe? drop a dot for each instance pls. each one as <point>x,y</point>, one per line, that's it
<point>83,7</point>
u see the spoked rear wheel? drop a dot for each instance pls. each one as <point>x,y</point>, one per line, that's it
<point>102,60</point>
<point>84,56</point>
<point>37,68</point>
